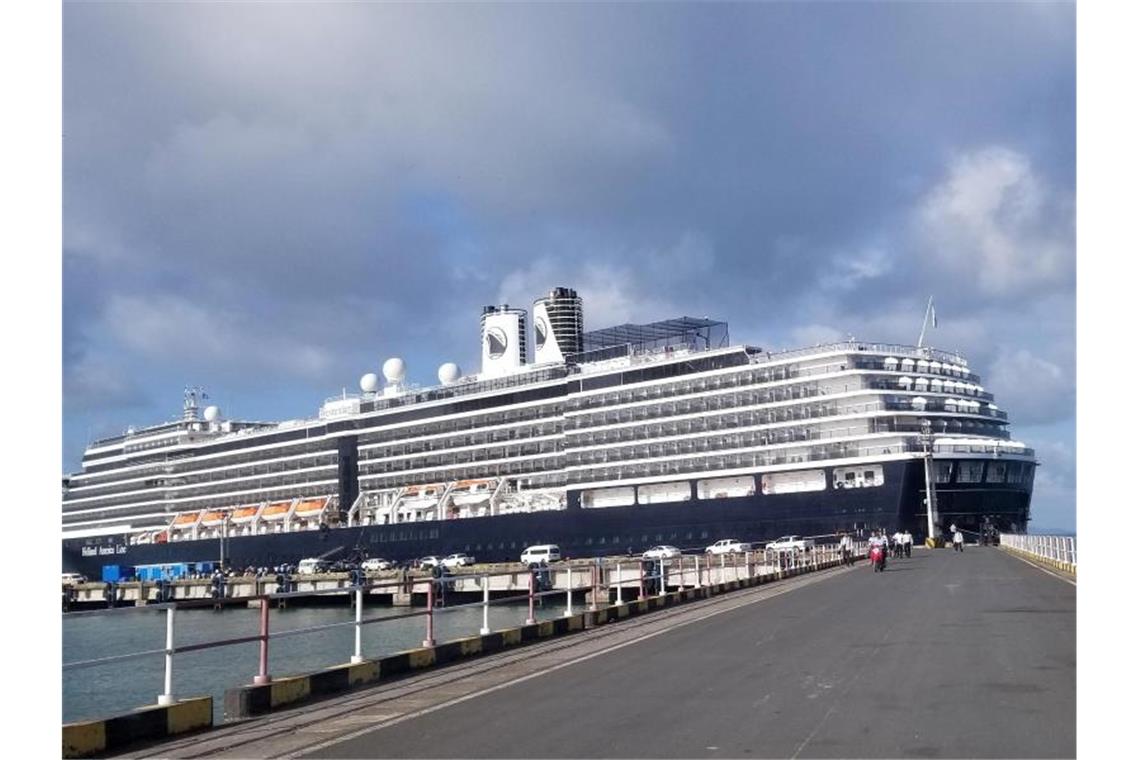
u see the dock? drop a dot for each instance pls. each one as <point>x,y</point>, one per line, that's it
<point>593,580</point>
<point>943,655</point>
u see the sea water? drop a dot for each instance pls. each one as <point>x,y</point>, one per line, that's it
<point>114,688</point>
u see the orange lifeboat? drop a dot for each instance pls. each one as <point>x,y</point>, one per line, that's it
<point>214,517</point>
<point>244,514</point>
<point>186,518</point>
<point>306,508</point>
<point>276,511</point>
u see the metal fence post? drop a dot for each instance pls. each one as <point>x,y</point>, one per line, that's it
<point>429,641</point>
<point>530,600</point>
<point>748,565</point>
<point>595,577</point>
<point>357,655</point>
<point>619,583</point>
<point>486,605</point>
<point>167,695</point>
<point>262,676</point>
<point>569,592</point>
<point>664,573</point>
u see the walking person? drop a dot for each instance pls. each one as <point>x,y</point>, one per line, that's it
<point>845,549</point>
<point>908,539</point>
<point>958,541</point>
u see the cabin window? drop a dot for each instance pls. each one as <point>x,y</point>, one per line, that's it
<point>970,471</point>
<point>942,471</point>
<point>995,472</point>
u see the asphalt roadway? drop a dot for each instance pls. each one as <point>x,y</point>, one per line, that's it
<point>945,654</point>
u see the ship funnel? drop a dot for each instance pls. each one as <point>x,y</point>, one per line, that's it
<point>503,333</point>
<point>558,326</point>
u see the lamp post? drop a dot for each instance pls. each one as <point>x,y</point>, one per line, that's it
<point>928,467</point>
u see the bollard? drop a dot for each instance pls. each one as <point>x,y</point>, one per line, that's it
<point>429,640</point>
<point>530,601</point>
<point>486,605</point>
<point>167,695</point>
<point>619,583</point>
<point>569,593</point>
<point>262,676</point>
<point>357,656</point>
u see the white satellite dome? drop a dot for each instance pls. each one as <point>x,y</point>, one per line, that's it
<point>448,373</point>
<point>369,382</point>
<point>394,369</point>
<point>211,413</point>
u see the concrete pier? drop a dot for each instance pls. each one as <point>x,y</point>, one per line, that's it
<point>588,579</point>
<point>982,663</point>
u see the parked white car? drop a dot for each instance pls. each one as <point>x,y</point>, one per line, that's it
<point>375,563</point>
<point>791,544</point>
<point>73,579</point>
<point>312,566</point>
<point>661,552</point>
<point>542,553</point>
<point>728,546</point>
<point>428,562</point>
<point>457,560</point>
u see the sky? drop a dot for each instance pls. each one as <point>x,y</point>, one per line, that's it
<point>268,200</point>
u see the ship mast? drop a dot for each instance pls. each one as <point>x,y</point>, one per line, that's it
<point>190,399</point>
<point>928,316</point>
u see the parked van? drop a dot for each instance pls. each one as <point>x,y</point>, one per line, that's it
<point>312,566</point>
<point>542,553</point>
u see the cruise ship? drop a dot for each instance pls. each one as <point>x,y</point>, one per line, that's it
<point>603,442</point>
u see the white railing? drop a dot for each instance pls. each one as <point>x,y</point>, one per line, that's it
<point>640,578</point>
<point>1058,550</point>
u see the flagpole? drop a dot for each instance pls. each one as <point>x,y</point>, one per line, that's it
<point>925,317</point>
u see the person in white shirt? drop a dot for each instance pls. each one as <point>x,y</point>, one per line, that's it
<point>845,548</point>
<point>879,539</point>
<point>897,543</point>
<point>908,539</point>
<point>958,541</point>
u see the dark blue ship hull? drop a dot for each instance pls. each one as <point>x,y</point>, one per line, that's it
<point>897,504</point>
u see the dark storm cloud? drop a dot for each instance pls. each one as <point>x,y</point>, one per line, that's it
<point>295,191</point>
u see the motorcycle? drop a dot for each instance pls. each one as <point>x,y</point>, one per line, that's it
<point>878,559</point>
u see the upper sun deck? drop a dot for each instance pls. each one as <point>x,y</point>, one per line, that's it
<point>613,350</point>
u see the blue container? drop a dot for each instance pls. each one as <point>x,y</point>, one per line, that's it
<point>170,571</point>
<point>117,573</point>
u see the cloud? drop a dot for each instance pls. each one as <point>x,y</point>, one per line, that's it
<point>617,283</point>
<point>994,223</point>
<point>1034,390</point>
<point>306,189</point>
<point>169,329</point>
<point>94,383</point>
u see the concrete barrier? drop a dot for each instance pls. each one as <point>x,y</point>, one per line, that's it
<point>92,737</point>
<point>1065,567</point>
